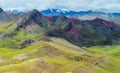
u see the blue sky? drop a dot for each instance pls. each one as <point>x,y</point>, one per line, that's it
<point>78,5</point>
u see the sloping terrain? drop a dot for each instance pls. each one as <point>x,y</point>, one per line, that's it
<point>33,25</point>
<point>6,17</point>
<point>76,31</point>
<point>49,56</point>
<point>35,43</point>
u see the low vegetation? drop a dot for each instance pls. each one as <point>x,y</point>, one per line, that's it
<point>45,56</point>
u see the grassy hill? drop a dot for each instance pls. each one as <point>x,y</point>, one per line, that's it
<point>52,56</point>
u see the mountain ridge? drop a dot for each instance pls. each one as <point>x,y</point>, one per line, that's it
<point>70,28</point>
<point>79,32</point>
<point>84,15</point>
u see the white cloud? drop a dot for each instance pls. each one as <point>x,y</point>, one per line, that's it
<point>112,5</point>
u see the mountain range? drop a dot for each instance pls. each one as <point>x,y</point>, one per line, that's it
<point>80,32</point>
<point>54,41</point>
<point>84,15</point>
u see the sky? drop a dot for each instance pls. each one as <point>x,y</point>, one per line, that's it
<point>75,5</point>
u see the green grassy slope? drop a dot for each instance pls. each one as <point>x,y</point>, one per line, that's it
<point>10,38</point>
<point>112,53</point>
<point>55,57</point>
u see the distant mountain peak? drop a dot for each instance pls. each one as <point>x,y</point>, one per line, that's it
<point>1,10</point>
<point>26,18</point>
<point>35,11</point>
<point>32,18</point>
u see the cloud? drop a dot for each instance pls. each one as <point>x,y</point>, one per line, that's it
<point>111,5</point>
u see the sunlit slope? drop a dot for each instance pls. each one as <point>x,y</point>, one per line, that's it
<point>51,56</point>
<point>112,54</point>
<point>10,38</point>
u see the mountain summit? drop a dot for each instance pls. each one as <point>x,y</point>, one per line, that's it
<point>31,18</point>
